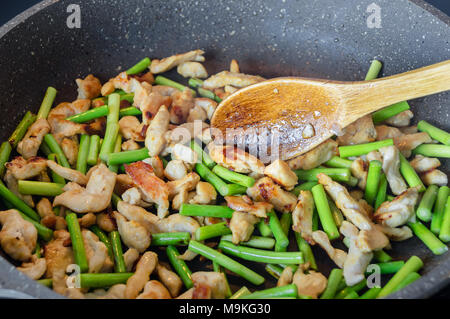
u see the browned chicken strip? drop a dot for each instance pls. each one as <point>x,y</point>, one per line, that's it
<point>18,237</point>
<point>302,216</point>
<point>29,145</point>
<point>92,199</point>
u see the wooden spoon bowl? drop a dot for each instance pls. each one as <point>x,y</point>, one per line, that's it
<point>301,113</point>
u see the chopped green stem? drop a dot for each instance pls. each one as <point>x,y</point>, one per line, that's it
<point>409,174</point>
<point>341,285</point>
<point>373,180</point>
<point>412,265</point>
<point>103,110</point>
<point>286,222</point>
<point>361,149</point>
<point>264,229</point>
<point>389,111</point>
<point>112,130</point>
<point>292,266</point>
<point>116,243</point>
<point>175,239</point>
<point>103,280</point>
<point>389,267</point>
<point>423,212</point>
<point>374,70</point>
<point>115,199</point>
<point>213,179</point>
<point>353,181</point>
<point>180,266</point>
<point>37,251</point>
<point>315,220</point>
<point>206,210</point>
<point>439,209</point>
<point>337,174</point>
<point>277,292</point>
<point>127,97</point>
<point>104,239</point>
<point>209,94</point>
<point>117,149</point>
<point>352,295</point>
<point>217,268</point>
<point>254,241</point>
<point>281,240</point>
<point>128,156</point>
<point>139,67</point>
<point>381,256</point>
<point>259,255</point>
<point>210,231</point>
<point>226,262</point>
<point>161,80</point>
<point>202,155</point>
<point>112,126</point>
<point>89,115</point>
<point>233,177</point>
<point>434,132</point>
<point>303,187</point>
<point>241,293</point>
<point>334,279</point>
<point>433,150</point>
<point>234,189</point>
<point>336,212</point>
<point>55,148</point>
<point>47,103</point>
<point>350,289</point>
<point>21,129</point>
<point>408,280</point>
<point>45,149</point>
<point>195,83</point>
<point>95,280</point>
<point>113,108</point>
<point>94,147</point>
<point>381,192</point>
<point>428,238</point>
<point>305,248</point>
<point>324,211</point>
<point>372,293</point>
<point>82,154</point>
<point>40,188</point>
<point>338,162</point>
<point>77,242</point>
<point>17,202</point>
<point>444,234</point>
<point>5,152</point>
<point>274,270</point>
<point>130,111</point>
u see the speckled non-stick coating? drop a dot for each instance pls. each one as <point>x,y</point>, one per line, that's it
<point>325,39</point>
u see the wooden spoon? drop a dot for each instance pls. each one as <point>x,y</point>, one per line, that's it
<point>305,112</point>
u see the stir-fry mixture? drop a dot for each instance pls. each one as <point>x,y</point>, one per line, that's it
<point>106,198</point>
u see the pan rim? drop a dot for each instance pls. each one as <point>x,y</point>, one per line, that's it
<point>409,292</point>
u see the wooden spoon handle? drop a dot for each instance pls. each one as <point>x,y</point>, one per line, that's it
<point>361,98</point>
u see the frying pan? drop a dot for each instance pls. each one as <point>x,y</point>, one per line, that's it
<point>323,39</point>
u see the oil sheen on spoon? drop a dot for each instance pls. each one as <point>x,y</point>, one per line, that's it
<point>292,117</point>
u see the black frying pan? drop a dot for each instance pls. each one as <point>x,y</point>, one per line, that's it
<point>324,39</point>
